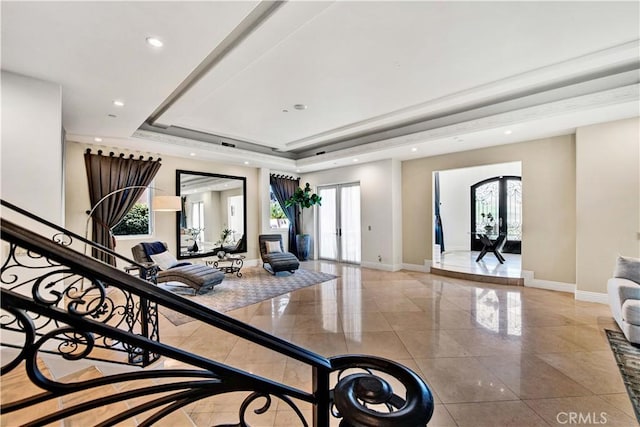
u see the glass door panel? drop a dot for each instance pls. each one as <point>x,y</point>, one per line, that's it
<point>339,223</point>
<point>497,203</point>
<point>328,224</point>
<point>350,223</point>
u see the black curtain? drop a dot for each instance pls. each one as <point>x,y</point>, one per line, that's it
<point>106,174</point>
<point>283,188</point>
<point>438,229</point>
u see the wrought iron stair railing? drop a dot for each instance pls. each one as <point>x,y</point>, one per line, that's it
<point>68,296</point>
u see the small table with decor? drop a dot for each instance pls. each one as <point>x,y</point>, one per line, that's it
<point>491,242</point>
<point>228,264</point>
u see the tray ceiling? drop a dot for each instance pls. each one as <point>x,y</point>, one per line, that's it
<point>373,76</point>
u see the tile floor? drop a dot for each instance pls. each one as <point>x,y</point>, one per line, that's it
<point>493,355</point>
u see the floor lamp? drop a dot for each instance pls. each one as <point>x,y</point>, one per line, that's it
<point>158,204</point>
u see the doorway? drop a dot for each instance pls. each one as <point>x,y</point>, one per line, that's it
<point>339,223</point>
<point>497,202</point>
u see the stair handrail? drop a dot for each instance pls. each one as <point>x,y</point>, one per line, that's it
<point>351,399</point>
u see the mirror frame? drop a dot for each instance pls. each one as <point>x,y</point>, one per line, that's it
<point>243,247</point>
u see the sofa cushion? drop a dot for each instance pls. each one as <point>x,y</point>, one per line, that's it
<point>628,268</point>
<point>273,247</point>
<point>631,311</point>
<point>165,260</point>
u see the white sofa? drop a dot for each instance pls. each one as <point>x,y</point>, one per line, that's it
<point>624,298</point>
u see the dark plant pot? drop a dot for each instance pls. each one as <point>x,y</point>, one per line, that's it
<point>303,243</point>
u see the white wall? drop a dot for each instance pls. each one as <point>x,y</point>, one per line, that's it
<point>381,209</point>
<point>455,200</point>
<point>32,146</point>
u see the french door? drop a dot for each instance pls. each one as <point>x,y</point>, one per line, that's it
<point>501,199</point>
<point>339,223</point>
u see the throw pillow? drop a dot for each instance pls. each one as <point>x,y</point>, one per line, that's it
<point>164,260</point>
<point>628,268</point>
<point>273,247</point>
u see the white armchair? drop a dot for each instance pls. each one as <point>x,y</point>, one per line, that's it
<point>624,296</point>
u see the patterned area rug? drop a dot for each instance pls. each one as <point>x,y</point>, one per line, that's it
<point>628,358</point>
<point>254,286</point>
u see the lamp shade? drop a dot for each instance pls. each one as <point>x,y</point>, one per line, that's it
<point>166,204</point>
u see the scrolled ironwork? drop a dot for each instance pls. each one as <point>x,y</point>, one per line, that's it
<point>74,307</point>
<point>63,239</point>
<point>26,326</point>
<point>359,397</point>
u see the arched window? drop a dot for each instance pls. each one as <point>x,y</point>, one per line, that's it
<point>496,207</point>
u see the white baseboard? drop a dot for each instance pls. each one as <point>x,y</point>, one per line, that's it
<point>589,296</point>
<point>551,285</point>
<point>380,266</point>
<point>415,267</point>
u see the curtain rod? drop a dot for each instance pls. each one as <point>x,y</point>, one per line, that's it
<point>122,155</point>
<point>284,176</point>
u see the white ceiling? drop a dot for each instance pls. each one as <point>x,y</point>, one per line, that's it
<point>378,78</point>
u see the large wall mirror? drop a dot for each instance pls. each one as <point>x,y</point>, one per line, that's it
<point>213,216</point>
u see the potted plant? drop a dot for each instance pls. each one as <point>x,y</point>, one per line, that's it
<point>303,198</point>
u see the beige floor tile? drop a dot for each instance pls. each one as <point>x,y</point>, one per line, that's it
<point>317,323</point>
<point>584,411</point>
<point>247,352</point>
<point>273,323</point>
<point>588,337</point>
<point>491,414</point>
<point>396,304</point>
<point>364,322</point>
<point>532,378</point>
<point>437,304</point>
<point>482,342</point>
<point>541,340</point>
<point>596,370</point>
<point>620,401</point>
<point>383,344</point>
<point>441,417</point>
<point>411,321</point>
<point>326,344</point>
<point>432,343</point>
<point>463,379</point>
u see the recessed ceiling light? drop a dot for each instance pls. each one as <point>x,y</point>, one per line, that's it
<point>154,42</point>
<point>414,149</point>
<point>118,103</point>
<point>192,154</point>
<point>246,162</point>
<point>508,132</point>
<point>97,139</point>
<point>297,170</point>
<point>300,107</point>
<point>355,160</point>
<point>285,111</point>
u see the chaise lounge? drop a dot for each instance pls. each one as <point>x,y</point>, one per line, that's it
<point>200,277</point>
<point>274,258</point>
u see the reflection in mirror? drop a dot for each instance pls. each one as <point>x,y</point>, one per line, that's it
<point>213,217</point>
